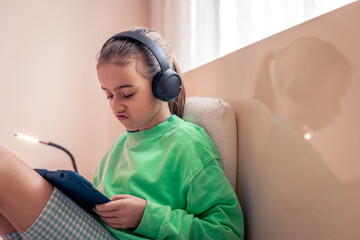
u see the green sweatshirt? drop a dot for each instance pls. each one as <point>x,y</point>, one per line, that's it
<point>175,167</point>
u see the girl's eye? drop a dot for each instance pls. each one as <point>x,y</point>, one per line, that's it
<point>123,95</point>
<point>128,95</point>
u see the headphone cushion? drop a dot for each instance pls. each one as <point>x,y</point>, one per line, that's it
<point>166,85</point>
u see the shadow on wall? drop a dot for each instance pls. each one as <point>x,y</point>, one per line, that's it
<point>290,192</point>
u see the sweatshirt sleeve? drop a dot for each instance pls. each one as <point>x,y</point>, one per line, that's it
<point>212,211</point>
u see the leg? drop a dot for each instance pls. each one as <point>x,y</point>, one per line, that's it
<point>5,226</point>
<point>64,219</point>
<point>23,193</point>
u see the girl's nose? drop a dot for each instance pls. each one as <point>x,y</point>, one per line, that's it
<point>121,108</point>
<point>117,105</point>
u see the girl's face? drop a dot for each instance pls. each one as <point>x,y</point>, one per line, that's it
<point>130,96</point>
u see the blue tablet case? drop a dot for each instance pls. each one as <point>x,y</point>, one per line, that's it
<point>74,186</point>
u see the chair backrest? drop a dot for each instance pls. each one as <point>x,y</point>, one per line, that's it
<point>218,120</point>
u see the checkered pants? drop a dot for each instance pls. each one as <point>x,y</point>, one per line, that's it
<point>63,219</point>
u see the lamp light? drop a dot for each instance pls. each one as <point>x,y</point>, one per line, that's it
<point>308,136</point>
<point>34,140</point>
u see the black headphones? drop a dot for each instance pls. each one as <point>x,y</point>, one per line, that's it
<point>166,84</point>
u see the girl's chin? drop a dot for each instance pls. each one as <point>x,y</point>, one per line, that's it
<point>131,128</point>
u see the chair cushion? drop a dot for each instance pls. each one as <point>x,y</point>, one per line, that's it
<point>218,120</point>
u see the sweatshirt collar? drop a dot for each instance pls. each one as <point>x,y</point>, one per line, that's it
<point>154,131</point>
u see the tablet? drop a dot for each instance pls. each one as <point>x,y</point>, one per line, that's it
<point>74,186</point>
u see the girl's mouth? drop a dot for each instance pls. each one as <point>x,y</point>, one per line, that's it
<point>121,117</point>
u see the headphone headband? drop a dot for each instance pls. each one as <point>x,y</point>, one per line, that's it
<point>150,44</point>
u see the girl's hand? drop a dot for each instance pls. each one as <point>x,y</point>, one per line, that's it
<point>124,211</point>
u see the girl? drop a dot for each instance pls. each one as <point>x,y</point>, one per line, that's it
<point>163,175</point>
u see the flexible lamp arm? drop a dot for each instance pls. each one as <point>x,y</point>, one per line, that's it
<point>34,140</point>
<point>67,152</point>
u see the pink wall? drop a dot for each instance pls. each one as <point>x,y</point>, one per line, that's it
<point>290,188</point>
<point>303,80</point>
<point>49,87</point>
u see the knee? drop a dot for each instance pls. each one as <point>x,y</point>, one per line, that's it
<point>3,157</point>
<point>3,153</point>
<point>7,159</point>
<point>10,165</point>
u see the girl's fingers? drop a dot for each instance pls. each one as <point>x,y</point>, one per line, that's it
<point>107,214</point>
<point>110,220</point>
<point>108,207</point>
<point>120,196</point>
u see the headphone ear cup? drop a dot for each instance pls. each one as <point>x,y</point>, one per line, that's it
<point>166,85</point>
<point>156,86</point>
